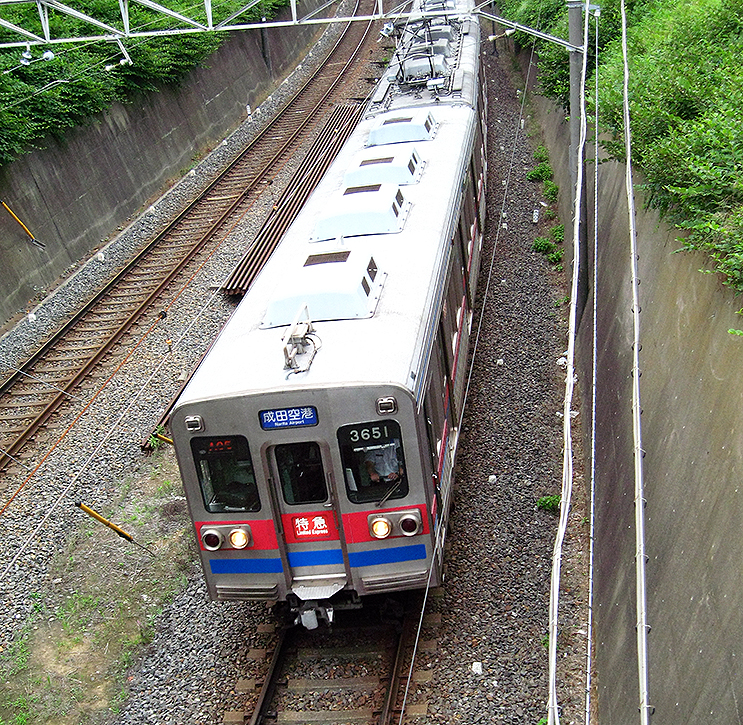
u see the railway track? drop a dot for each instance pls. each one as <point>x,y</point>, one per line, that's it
<point>354,672</point>
<point>34,393</point>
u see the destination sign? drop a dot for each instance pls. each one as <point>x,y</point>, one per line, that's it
<point>288,418</point>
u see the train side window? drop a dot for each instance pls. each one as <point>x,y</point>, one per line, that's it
<point>373,461</point>
<point>466,243</point>
<point>469,211</point>
<point>435,402</point>
<point>452,308</point>
<point>226,476</point>
<point>301,473</point>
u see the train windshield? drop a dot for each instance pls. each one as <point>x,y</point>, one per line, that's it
<point>225,473</point>
<point>301,473</point>
<point>373,461</point>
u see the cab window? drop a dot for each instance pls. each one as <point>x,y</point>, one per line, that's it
<point>373,461</point>
<point>225,473</point>
<point>301,473</point>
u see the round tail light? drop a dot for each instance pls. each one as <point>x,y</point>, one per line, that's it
<point>211,539</point>
<point>239,538</point>
<point>410,525</point>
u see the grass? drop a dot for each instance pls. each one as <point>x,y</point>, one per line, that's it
<point>550,504</point>
<point>68,662</point>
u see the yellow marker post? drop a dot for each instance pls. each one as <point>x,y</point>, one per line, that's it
<point>34,240</point>
<point>111,525</point>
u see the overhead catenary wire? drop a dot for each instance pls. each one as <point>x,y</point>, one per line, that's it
<point>553,716</point>
<point>34,472</point>
<point>123,416</point>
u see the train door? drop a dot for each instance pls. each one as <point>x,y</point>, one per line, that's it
<point>303,489</point>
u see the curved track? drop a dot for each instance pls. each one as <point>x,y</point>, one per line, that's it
<point>36,391</point>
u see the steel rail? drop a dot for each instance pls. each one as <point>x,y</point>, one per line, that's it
<point>261,711</point>
<point>398,670</point>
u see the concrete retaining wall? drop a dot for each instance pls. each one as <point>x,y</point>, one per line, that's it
<point>692,432</point>
<point>73,193</point>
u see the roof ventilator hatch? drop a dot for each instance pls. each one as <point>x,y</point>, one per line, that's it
<point>402,166</point>
<point>362,211</point>
<point>330,286</point>
<point>396,128</point>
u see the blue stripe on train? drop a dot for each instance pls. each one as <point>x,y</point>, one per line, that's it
<point>387,556</point>
<point>316,557</point>
<point>321,557</point>
<point>246,566</point>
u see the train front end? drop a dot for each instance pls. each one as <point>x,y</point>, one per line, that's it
<point>294,501</point>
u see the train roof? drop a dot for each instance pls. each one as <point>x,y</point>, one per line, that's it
<point>357,276</point>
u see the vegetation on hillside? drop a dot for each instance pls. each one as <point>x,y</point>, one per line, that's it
<point>686,105</point>
<point>48,97</point>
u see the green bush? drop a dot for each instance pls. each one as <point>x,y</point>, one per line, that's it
<point>543,245</point>
<point>555,257</point>
<point>550,189</point>
<point>550,504</point>
<point>541,172</point>
<point>541,154</point>
<point>686,106</point>
<point>50,97</point>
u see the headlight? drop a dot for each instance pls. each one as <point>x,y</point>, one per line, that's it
<point>380,527</point>
<point>211,539</point>
<point>239,538</point>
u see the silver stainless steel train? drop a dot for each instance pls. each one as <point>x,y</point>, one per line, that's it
<point>316,440</point>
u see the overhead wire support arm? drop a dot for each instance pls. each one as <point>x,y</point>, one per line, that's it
<point>188,25</point>
<point>238,13</point>
<point>44,17</point>
<point>67,10</point>
<point>526,29</point>
<point>171,14</point>
<point>21,31</point>
<point>315,11</point>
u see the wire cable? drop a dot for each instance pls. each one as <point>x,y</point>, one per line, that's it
<point>594,375</point>
<point>104,440</point>
<point>440,537</point>
<point>146,334</point>
<point>553,716</point>
<point>640,556</point>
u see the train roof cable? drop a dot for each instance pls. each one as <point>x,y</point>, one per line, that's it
<point>646,710</point>
<point>594,375</point>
